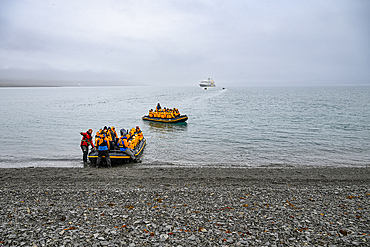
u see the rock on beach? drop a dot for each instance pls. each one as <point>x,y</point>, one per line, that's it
<point>155,206</point>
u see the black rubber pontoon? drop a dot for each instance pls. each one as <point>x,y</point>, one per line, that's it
<point>179,119</point>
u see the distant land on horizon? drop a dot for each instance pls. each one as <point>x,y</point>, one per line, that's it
<point>55,83</point>
<point>96,83</point>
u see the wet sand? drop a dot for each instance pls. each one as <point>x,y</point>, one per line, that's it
<point>214,176</point>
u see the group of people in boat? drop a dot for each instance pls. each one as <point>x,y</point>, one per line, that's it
<point>164,113</point>
<point>107,139</point>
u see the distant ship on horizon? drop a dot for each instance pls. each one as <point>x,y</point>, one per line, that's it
<point>207,83</point>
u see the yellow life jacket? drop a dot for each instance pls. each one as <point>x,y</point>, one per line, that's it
<point>140,135</point>
<point>114,132</point>
<point>102,141</point>
<point>109,135</point>
<point>122,142</point>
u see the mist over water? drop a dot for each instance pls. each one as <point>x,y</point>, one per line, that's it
<point>234,127</point>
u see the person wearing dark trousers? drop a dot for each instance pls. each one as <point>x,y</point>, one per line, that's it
<point>85,143</point>
<point>102,144</point>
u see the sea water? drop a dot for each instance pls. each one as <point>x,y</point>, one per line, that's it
<point>232,127</point>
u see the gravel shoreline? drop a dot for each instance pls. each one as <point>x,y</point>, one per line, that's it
<point>143,206</point>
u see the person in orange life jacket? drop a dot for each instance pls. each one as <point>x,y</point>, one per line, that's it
<point>97,135</point>
<point>151,114</point>
<point>139,133</point>
<point>102,144</point>
<point>176,112</point>
<point>158,107</point>
<point>105,130</point>
<point>123,146</point>
<point>163,113</point>
<point>111,138</point>
<point>169,114</point>
<point>114,134</point>
<point>85,143</point>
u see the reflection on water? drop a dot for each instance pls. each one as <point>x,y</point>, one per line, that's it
<point>166,127</point>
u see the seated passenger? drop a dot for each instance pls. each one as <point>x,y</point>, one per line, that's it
<point>109,137</point>
<point>114,134</point>
<point>132,132</point>
<point>151,114</point>
<point>141,136</point>
<point>139,133</point>
<point>123,146</point>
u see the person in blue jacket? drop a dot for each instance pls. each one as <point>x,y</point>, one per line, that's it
<point>158,107</point>
<point>123,146</point>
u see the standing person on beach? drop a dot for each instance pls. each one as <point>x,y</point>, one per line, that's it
<point>102,144</point>
<point>85,143</point>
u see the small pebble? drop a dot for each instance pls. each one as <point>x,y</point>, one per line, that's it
<point>69,207</point>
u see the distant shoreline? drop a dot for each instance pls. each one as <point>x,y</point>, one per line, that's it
<point>56,83</point>
<point>28,86</point>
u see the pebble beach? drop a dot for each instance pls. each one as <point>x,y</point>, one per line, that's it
<point>164,206</point>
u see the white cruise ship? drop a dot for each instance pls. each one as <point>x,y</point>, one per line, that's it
<point>207,83</point>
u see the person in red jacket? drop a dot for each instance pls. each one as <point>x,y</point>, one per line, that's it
<point>85,143</point>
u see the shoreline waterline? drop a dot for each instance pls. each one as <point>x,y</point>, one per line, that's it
<point>132,172</point>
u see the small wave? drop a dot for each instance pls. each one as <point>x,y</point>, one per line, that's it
<point>40,162</point>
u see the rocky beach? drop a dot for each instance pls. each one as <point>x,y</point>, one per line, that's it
<point>164,206</point>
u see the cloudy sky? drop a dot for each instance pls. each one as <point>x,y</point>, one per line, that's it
<point>177,42</point>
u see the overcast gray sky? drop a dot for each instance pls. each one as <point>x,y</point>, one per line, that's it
<point>177,42</point>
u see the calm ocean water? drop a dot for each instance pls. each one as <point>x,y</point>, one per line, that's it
<point>235,127</point>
